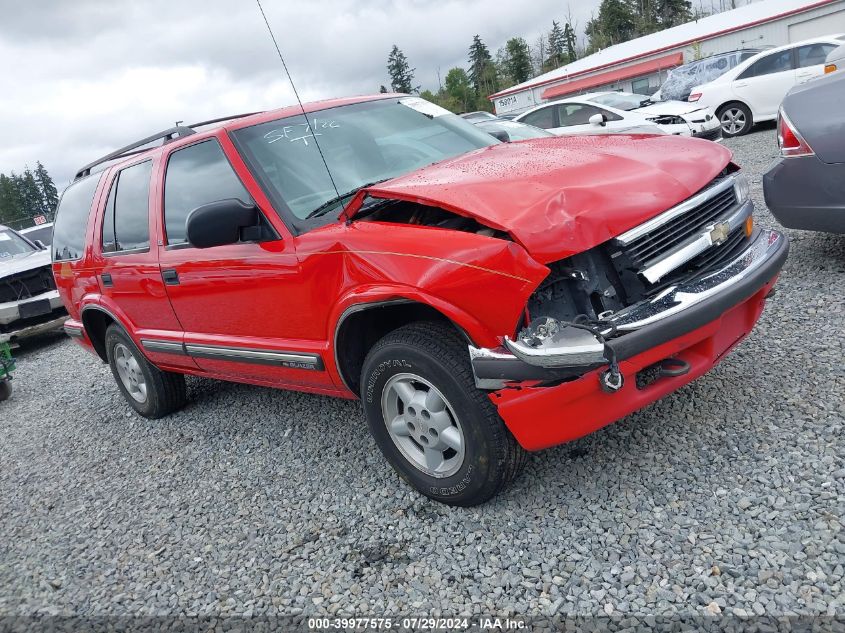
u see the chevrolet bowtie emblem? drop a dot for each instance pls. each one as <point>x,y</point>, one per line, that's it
<point>719,233</point>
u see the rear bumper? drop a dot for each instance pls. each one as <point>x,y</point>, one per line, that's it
<point>806,193</point>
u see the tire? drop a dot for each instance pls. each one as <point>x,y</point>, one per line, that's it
<point>151,392</point>
<point>735,118</point>
<point>5,390</point>
<point>440,410</point>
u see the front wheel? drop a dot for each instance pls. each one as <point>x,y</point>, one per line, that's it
<point>5,390</point>
<point>736,119</point>
<point>438,431</point>
<point>151,392</point>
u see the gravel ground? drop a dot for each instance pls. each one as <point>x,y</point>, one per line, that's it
<point>727,496</point>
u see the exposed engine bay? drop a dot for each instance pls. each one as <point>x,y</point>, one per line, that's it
<point>414,213</point>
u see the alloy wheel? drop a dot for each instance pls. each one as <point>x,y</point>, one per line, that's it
<point>423,425</point>
<point>733,121</point>
<point>130,373</point>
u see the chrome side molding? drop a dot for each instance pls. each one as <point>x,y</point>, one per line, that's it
<point>292,360</point>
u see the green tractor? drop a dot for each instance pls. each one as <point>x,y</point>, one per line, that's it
<point>7,365</point>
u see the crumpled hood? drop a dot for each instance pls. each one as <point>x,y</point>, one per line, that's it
<point>677,108</point>
<point>23,263</point>
<point>561,196</point>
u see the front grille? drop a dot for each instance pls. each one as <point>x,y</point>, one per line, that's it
<point>661,240</point>
<point>25,285</point>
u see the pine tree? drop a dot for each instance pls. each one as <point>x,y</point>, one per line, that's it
<point>49,194</point>
<point>518,59</point>
<point>482,72</point>
<point>616,22</point>
<point>382,89</point>
<point>673,12</point>
<point>570,43</point>
<point>401,73</point>
<point>31,194</point>
<point>557,43</point>
<point>8,203</point>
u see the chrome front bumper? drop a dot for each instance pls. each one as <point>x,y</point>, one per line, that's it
<point>672,313</point>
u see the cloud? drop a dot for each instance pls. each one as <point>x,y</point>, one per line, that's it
<point>85,77</point>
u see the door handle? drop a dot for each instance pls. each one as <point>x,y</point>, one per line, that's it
<point>170,277</point>
<point>107,281</point>
<point>740,84</point>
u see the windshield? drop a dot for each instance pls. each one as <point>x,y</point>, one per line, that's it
<point>362,143</point>
<point>516,131</point>
<point>622,100</point>
<point>12,244</point>
<point>683,79</point>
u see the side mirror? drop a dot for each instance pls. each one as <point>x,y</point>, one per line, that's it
<point>599,120</point>
<point>501,135</point>
<point>41,245</point>
<point>220,223</point>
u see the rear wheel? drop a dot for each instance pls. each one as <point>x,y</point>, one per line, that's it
<point>5,390</point>
<point>438,431</point>
<point>736,119</point>
<point>151,392</point>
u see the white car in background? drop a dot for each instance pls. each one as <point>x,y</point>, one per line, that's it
<point>673,117</point>
<point>600,113</point>
<point>753,90</point>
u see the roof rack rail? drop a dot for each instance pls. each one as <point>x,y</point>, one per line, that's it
<point>166,136</point>
<point>224,118</point>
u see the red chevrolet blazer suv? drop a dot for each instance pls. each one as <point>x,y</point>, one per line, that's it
<point>482,298</point>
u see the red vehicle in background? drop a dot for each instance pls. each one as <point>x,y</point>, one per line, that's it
<point>483,299</point>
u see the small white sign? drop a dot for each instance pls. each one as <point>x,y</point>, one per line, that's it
<point>40,219</point>
<point>514,102</point>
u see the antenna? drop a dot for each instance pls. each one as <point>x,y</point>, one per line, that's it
<point>298,100</point>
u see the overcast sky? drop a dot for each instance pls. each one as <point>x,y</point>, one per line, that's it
<point>83,77</point>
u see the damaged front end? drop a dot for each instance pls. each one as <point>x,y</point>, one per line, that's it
<point>656,282</point>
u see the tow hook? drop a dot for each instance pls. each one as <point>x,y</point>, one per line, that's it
<point>611,380</point>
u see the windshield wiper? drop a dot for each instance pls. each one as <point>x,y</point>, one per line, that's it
<point>329,204</point>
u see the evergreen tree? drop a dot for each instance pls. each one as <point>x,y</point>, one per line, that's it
<point>482,72</point>
<point>518,59</point>
<point>49,194</point>
<point>569,44</point>
<point>673,12</point>
<point>557,44</point>
<point>616,22</point>
<point>382,89</point>
<point>33,201</point>
<point>401,73</point>
<point>22,197</point>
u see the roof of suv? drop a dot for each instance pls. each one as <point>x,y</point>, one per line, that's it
<point>238,121</point>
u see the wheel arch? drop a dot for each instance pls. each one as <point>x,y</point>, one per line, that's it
<point>362,324</point>
<point>96,320</point>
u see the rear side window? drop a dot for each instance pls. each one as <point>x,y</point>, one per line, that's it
<point>774,63</point>
<point>72,219</point>
<point>197,175</point>
<point>813,54</point>
<point>126,221</point>
<point>544,118</point>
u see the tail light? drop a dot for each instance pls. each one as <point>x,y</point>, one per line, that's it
<point>695,96</point>
<point>790,141</point>
<point>830,68</point>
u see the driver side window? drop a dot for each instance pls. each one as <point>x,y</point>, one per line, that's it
<point>197,175</point>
